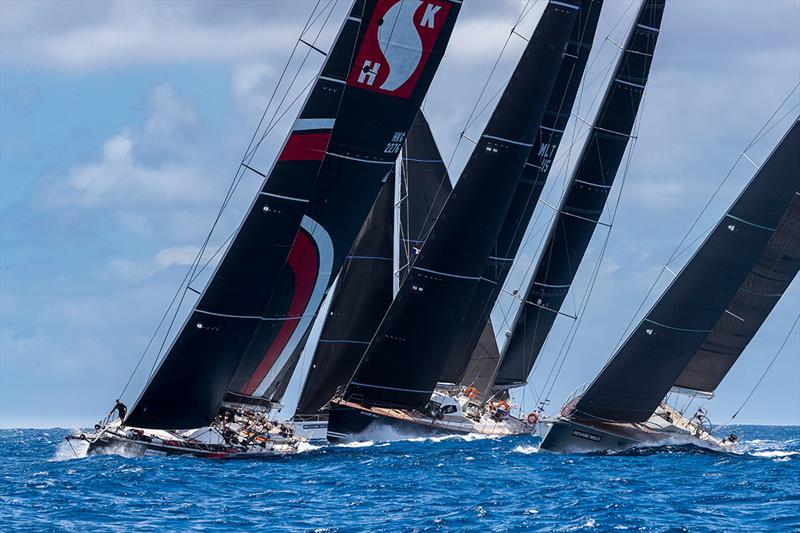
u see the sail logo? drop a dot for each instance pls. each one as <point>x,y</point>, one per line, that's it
<point>397,44</point>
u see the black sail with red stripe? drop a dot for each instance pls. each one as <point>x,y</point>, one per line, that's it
<point>473,358</point>
<point>409,350</point>
<point>587,192</point>
<point>268,286</point>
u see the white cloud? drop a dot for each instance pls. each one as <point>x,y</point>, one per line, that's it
<point>177,256</point>
<point>75,36</point>
<point>156,163</point>
<point>134,271</point>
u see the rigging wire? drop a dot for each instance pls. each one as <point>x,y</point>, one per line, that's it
<point>184,285</point>
<point>679,249</point>
<point>763,375</point>
<point>237,180</point>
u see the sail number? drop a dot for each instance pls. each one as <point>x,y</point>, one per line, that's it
<point>393,146</point>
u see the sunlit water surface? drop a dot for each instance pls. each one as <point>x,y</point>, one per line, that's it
<point>459,483</point>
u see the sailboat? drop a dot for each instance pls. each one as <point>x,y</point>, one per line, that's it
<point>579,214</point>
<point>227,366</point>
<point>401,217</point>
<point>698,328</point>
<point>398,372</point>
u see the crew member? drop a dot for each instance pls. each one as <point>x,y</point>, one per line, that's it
<point>121,410</point>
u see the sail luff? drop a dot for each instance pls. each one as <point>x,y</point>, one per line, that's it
<point>469,361</point>
<point>409,350</point>
<point>584,200</point>
<point>642,371</point>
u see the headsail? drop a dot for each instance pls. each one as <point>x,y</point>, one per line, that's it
<point>644,368</point>
<point>765,284</point>
<point>270,283</point>
<point>471,360</point>
<point>364,290</point>
<point>585,198</point>
<point>408,352</point>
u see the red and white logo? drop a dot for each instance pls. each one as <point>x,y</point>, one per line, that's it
<point>397,44</point>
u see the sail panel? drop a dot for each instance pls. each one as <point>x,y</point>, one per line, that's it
<point>424,189</point>
<point>409,350</point>
<point>584,201</point>
<point>467,362</point>
<point>645,367</point>
<point>364,290</point>
<point>271,281</point>
<point>765,284</point>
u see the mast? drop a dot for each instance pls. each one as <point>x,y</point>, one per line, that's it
<point>264,294</point>
<point>473,357</point>
<point>645,367</point>
<point>583,203</point>
<point>409,350</point>
<point>364,290</point>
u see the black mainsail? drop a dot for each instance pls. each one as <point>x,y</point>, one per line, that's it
<point>473,356</point>
<point>364,290</point>
<point>584,200</point>
<point>268,287</point>
<point>408,352</point>
<point>746,312</point>
<point>645,367</point>
<point>424,188</point>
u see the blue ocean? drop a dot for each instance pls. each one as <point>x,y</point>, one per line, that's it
<point>437,484</point>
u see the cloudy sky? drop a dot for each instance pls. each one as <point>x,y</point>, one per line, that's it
<point>123,123</point>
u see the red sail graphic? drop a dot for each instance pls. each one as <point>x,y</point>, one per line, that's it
<point>397,44</point>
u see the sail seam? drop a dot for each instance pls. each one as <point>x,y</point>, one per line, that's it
<point>351,158</point>
<point>676,328</point>
<point>750,223</point>
<point>458,276</point>
<point>593,184</point>
<point>563,4</point>
<point>283,197</point>
<point>370,257</point>
<point>503,139</point>
<point>334,80</point>
<point>388,388</point>
<point>637,85</point>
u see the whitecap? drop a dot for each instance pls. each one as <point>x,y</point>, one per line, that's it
<point>526,449</point>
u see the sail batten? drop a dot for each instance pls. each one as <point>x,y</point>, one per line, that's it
<point>294,237</point>
<point>584,201</point>
<point>679,331</point>
<point>409,351</point>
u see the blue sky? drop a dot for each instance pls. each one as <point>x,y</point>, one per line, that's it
<point>122,124</point>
